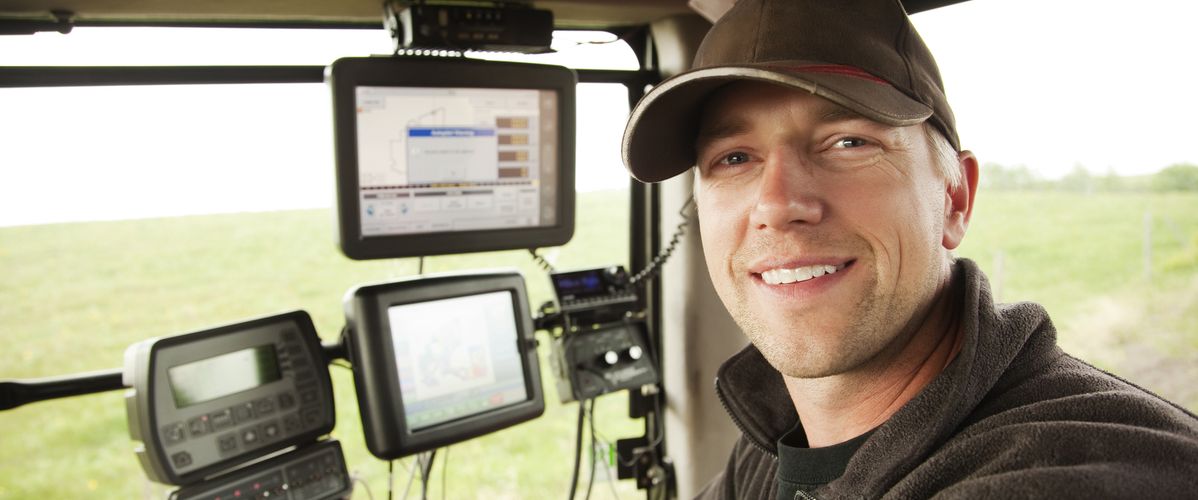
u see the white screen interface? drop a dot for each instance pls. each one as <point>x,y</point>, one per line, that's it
<point>434,160</point>
<point>222,375</point>
<point>456,357</point>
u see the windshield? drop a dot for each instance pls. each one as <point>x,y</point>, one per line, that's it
<point>130,212</point>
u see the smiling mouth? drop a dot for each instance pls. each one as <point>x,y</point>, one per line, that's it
<point>800,274</point>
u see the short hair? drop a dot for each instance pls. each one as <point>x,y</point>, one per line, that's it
<point>944,155</point>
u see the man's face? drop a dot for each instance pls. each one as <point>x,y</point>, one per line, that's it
<point>823,231</point>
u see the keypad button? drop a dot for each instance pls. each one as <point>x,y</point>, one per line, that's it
<point>174,433</point>
<point>181,459</point>
<point>291,424</point>
<point>250,436</point>
<point>271,431</point>
<point>309,397</point>
<point>243,412</point>
<point>199,426</point>
<point>310,417</point>
<point>286,401</point>
<point>227,443</point>
<point>264,406</point>
<point>222,419</point>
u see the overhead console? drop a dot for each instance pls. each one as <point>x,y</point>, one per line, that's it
<point>451,155</point>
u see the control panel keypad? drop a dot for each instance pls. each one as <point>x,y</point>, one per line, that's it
<point>238,416</point>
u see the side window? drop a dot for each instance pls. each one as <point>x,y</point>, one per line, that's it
<point>129,212</point>
<point>1088,194</point>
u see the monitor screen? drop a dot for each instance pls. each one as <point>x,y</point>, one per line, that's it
<point>438,156</point>
<point>442,359</point>
<point>456,357</point>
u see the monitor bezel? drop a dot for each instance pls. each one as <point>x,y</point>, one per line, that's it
<point>347,74</point>
<point>376,374</point>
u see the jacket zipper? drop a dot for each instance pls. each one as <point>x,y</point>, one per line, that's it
<point>719,392</point>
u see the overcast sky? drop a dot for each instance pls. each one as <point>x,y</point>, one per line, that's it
<point>1055,83</point>
<point>1047,84</point>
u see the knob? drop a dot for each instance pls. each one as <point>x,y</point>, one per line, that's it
<point>609,358</point>
<point>635,352</point>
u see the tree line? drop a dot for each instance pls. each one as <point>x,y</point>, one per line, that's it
<point>1177,177</point>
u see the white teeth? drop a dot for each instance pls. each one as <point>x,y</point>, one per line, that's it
<point>784,276</point>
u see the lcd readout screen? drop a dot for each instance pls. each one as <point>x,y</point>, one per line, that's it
<point>222,375</point>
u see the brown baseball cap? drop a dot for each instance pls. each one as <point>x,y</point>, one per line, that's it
<point>861,54</point>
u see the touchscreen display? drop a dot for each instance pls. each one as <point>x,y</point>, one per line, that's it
<point>456,357</point>
<point>435,160</point>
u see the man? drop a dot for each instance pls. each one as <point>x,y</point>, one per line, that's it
<point>831,188</point>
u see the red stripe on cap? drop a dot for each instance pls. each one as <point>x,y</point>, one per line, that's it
<point>835,69</point>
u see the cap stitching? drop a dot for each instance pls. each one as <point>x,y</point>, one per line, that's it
<point>757,40</point>
<point>901,46</point>
<point>832,69</point>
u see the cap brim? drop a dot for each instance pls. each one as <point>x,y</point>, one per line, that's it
<point>659,139</point>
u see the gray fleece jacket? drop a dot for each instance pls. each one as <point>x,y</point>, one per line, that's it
<point>1011,417</point>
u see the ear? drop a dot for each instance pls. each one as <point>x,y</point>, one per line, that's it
<point>958,201</point>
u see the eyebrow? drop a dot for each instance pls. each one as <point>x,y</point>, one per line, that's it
<point>729,128</point>
<point>723,129</point>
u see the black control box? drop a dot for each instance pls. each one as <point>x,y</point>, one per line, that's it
<point>593,362</point>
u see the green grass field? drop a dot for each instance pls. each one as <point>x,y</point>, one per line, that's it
<point>74,296</point>
<point>1083,257</point>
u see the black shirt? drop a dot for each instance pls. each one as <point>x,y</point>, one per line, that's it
<point>802,469</point>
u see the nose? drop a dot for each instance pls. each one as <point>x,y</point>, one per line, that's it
<point>787,195</point>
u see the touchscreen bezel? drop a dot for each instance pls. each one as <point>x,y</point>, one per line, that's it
<point>376,375</point>
<point>348,74</point>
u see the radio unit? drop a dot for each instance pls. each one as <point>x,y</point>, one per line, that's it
<point>595,295</point>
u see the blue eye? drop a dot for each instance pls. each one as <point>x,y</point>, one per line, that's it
<point>850,142</point>
<point>736,158</point>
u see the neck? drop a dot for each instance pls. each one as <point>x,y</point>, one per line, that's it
<point>838,408</point>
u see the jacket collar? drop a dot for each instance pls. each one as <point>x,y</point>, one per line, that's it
<point>755,396</point>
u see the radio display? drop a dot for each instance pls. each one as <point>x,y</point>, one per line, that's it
<point>220,376</point>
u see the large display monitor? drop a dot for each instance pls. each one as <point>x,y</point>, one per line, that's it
<point>439,156</point>
<point>443,359</point>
